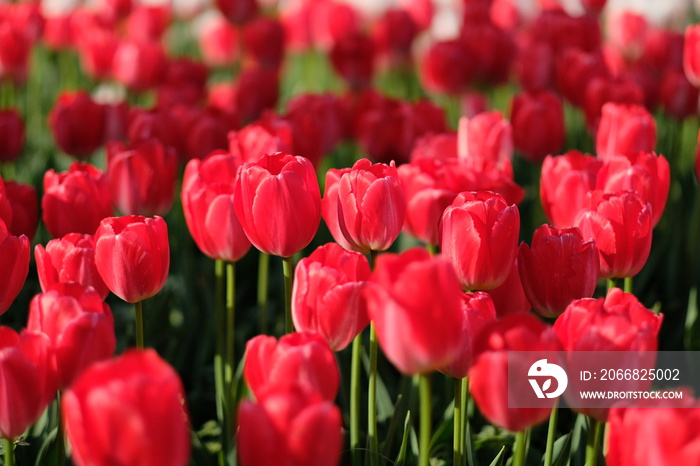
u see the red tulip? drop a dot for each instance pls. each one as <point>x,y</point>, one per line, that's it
<point>238,12</point>
<point>485,141</point>
<point>218,42</point>
<point>139,64</point>
<point>25,208</point>
<point>441,69</point>
<point>618,322</point>
<point>75,201</point>
<point>148,22</point>
<point>316,121</point>
<point>142,395</point>
<point>479,235</point>
<point>327,294</point>
<point>416,305</point>
<point>538,124</point>
<point>353,59</point>
<point>289,426</point>
<point>96,49</point>
<point>575,69</point>
<point>132,255</point>
<point>509,298</point>
<point>11,135</point>
<point>691,54</point>
<point>654,432</point>
<point>370,203</point>
<point>514,340</point>
<point>564,184</point>
<point>266,136</point>
<point>621,89</point>
<point>301,359</point>
<point>478,311</point>
<point>256,90</point>
<point>645,173</point>
<point>625,130</point>
<point>28,382</point>
<point>559,267</point>
<point>207,202</point>
<point>77,123</point>
<point>394,33</point>
<point>678,96</point>
<point>142,178</point>
<point>69,259</point>
<point>263,42</point>
<point>14,251</point>
<point>621,225</point>
<point>78,323</point>
<point>278,203</point>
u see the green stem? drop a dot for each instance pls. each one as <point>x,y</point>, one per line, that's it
<point>432,249</point>
<point>611,283</point>
<point>593,446</point>
<point>372,398</point>
<point>520,448</point>
<point>9,447</point>
<point>138,308</point>
<point>355,399</point>
<point>551,435</point>
<point>373,258</point>
<point>221,404</point>
<point>60,440</point>
<point>425,421</point>
<point>467,438</point>
<point>457,441</point>
<point>230,323</point>
<point>628,284</point>
<point>288,284</point>
<point>263,280</point>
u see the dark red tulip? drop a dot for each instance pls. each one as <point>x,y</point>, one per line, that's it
<point>238,12</point>
<point>14,251</point>
<point>11,135</point>
<point>509,298</point>
<point>677,95</point>
<point>263,42</point>
<point>132,255</point>
<point>278,203</point>
<point>521,336</point>
<point>538,124</point>
<point>301,359</point>
<point>621,225</point>
<point>327,294</point>
<point>140,393</point>
<point>416,305</point>
<point>353,59</point>
<point>305,429</point>
<point>441,69</point>
<point>29,382</point>
<point>207,202</point>
<point>142,177</point>
<point>25,208</point>
<point>394,33</point>
<point>75,201</point>
<point>370,205</point>
<point>77,123</point>
<point>69,259</point>
<point>557,268</point>
<point>479,235</point>
<point>78,323</point>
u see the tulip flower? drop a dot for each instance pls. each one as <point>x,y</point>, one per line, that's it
<point>327,294</point>
<point>28,380</point>
<point>645,173</point>
<point>621,225</point>
<point>11,135</point>
<point>559,267</point>
<point>509,297</point>
<point>238,12</point>
<point>69,259</point>
<point>353,58</point>
<point>479,235</point>
<point>370,206</point>
<point>278,202</point>
<point>625,130</point>
<point>564,183</point>
<point>639,432</point>
<point>416,305</point>
<point>618,322</point>
<point>142,178</point>
<point>14,251</point>
<point>140,393</point>
<point>25,208</point>
<point>77,123</point>
<point>296,359</point>
<point>139,64</point>
<point>522,336</point>
<point>290,426</point>
<point>485,140</point>
<point>691,54</point>
<point>538,124</point>
<point>208,204</point>
<point>263,42</point>
<point>132,255</point>
<point>75,201</point>
<point>78,323</point>
<point>440,68</point>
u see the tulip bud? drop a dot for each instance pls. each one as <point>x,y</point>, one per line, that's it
<point>77,123</point>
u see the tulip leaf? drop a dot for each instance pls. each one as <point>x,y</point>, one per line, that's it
<point>500,458</point>
<point>562,450</point>
<point>401,459</point>
<point>692,322</point>
<point>579,437</point>
<point>47,451</point>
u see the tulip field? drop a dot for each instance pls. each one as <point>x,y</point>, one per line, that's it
<point>323,232</point>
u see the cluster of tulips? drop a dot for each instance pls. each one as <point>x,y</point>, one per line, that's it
<point>429,241</point>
